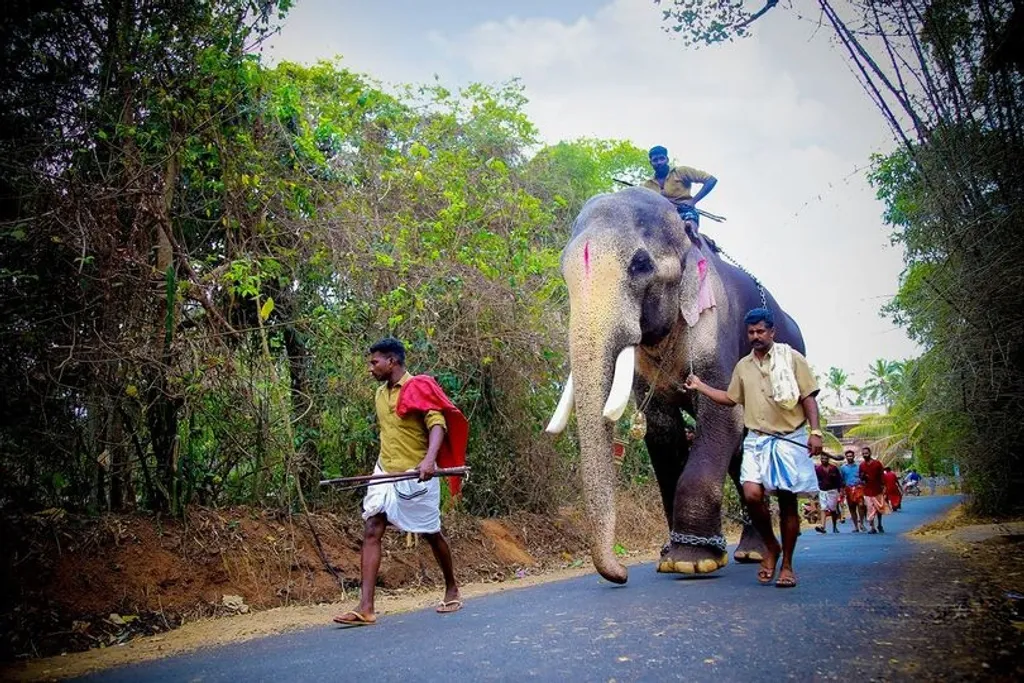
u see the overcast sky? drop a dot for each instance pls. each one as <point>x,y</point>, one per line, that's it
<point>778,118</point>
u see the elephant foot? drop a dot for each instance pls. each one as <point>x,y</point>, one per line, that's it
<point>751,549</point>
<point>691,559</point>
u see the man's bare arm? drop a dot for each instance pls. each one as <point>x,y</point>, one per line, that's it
<point>810,406</point>
<point>717,395</point>
<point>429,463</point>
<point>705,188</point>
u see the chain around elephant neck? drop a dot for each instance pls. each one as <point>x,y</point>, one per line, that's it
<point>760,287</point>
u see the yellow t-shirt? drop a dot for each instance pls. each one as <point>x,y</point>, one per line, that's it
<point>403,441</point>
<point>677,183</point>
<point>751,387</point>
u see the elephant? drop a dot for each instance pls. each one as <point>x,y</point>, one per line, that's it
<point>636,283</point>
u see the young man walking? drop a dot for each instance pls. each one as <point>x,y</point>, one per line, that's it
<point>853,492</point>
<point>871,473</point>
<point>419,429</point>
<point>830,483</point>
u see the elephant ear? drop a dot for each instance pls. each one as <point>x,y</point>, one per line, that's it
<point>695,293</point>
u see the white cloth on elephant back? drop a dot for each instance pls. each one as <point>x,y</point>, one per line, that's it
<point>779,464</point>
<point>410,505</point>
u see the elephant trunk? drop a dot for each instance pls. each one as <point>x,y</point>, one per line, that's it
<point>604,325</point>
<point>601,393</point>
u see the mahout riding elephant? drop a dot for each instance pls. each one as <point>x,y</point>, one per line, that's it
<point>651,301</point>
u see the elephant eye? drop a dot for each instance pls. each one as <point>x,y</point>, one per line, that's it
<point>641,264</point>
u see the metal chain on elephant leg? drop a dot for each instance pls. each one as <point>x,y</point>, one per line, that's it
<point>691,539</point>
<point>742,518</point>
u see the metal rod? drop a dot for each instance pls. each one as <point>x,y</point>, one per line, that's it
<point>702,212</point>
<point>388,477</point>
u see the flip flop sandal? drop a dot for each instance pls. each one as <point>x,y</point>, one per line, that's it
<point>450,606</point>
<point>786,582</point>
<point>765,576</point>
<point>353,618</point>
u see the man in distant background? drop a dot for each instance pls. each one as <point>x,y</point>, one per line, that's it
<point>853,491</point>
<point>675,183</point>
<point>893,489</point>
<point>830,482</point>
<point>871,472</point>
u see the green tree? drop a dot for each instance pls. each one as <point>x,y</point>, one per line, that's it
<point>838,382</point>
<point>569,173</point>
<point>946,77</point>
<point>884,381</point>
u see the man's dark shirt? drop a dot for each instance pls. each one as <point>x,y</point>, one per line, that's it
<point>829,477</point>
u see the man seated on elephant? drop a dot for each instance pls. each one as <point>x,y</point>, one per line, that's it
<point>674,183</point>
<point>777,390</point>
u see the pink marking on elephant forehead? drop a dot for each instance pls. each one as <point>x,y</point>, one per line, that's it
<point>586,258</point>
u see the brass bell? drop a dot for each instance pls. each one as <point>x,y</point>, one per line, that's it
<point>638,426</point>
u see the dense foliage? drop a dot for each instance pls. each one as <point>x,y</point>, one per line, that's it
<point>949,79</point>
<point>197,250</point>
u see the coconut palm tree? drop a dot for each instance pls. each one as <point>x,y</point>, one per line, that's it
<point>838,382</point>
<point>885,378</point>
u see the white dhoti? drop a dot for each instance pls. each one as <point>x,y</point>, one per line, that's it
<point>829,500</point>
<point>779,465</point>
<point>410,505</point>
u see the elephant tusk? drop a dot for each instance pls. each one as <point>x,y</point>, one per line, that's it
<point>561,416</point>
<point>622,384</point>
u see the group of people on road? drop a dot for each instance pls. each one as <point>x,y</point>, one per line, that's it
<point>869,490</point>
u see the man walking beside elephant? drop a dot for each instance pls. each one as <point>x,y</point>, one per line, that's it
<point>777,390</point>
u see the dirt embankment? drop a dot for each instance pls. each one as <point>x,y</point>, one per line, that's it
<point>967,592</point>
<point>74,583</point>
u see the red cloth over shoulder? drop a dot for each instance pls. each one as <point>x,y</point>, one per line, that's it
<point>423,393</point>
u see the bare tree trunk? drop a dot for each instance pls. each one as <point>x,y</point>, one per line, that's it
<point>162,412</point>
<point>310,461</point>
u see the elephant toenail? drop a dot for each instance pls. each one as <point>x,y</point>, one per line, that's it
<point>685,567</point>
<point>706,566</point>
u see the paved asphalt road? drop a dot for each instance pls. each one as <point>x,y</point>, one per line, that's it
<point>655,628</point>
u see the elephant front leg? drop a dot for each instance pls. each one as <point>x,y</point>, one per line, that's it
<point>697,545</point>
<point>667,448</point>
<point>751,548</point>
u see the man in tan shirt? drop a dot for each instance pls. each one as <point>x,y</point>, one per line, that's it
<point>675,183</point>
<point>775,457</point>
